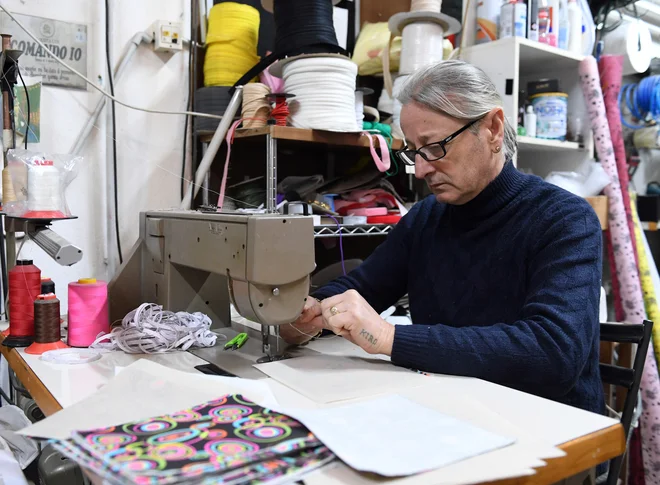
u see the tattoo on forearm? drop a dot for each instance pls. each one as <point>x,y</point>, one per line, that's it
<point>368,337</point>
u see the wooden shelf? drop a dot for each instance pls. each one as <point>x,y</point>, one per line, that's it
<point>302,135</point>
<point>529,144</point>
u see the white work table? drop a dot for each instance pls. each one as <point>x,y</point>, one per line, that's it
<point>587,439</point>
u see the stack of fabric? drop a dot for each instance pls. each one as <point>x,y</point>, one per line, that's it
<point>229,440</point>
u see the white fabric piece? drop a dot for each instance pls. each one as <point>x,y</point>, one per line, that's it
<point>150,329</point>
<point>10,471</point>
<point>413,429</point>
<point>12,419</point>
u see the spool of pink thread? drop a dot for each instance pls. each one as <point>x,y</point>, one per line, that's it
<point>88,311</point>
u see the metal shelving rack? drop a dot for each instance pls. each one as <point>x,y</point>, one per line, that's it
<point>271,135</point>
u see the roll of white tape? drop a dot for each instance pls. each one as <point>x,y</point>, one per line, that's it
<point>396,105</point>
<point>632,40</point>
<point>425,5</point>
<point>421,45</point>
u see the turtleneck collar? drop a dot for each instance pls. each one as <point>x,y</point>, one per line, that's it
<point>497,194</point>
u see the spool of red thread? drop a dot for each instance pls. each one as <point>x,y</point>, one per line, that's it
<point>88,311</point>
<point>24,287</point>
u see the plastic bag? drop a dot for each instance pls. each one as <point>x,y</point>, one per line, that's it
<point>588,182</point>
<point>367,53</point>
<point>34,184</point>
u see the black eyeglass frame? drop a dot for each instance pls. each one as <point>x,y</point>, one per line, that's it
<point>408,156</point>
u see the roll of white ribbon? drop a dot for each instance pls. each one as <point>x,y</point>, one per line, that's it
<point>421,45</point>
<point>359,107</point>
<point>425,5</point>
<point>44,187</point>
<point>325,93</point>
<point>396,104</point>
<point>632,39</point>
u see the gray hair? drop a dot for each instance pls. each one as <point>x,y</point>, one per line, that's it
<point>460,90</point>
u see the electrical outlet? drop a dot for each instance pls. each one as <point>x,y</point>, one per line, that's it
<point>167,36</point>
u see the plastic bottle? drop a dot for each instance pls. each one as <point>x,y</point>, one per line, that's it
<point>506,20</point>
<point>488,16</point>
<point>563,25</point>
<point>533,20</point>
<point>543,21</point>
<point>520,18</point>
<point>530,121</point>
<point>574,27</point>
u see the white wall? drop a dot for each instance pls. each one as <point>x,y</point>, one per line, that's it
<point>148,146</point>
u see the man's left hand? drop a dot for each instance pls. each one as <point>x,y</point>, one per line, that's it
<point>350,316</point>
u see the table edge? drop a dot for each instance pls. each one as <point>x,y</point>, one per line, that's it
<point>582,453</point>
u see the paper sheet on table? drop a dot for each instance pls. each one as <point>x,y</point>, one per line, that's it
<point>330,378</point>
<point>394,436</point>
<point>516,460</point>
<point>143,390</point>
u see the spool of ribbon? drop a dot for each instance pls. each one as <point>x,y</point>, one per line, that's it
<point>325,93</point>
<point>301,27</point>
<point>231,43</point>
<point>421,45</point>
<point>425,5</point>
<point>256,108</point>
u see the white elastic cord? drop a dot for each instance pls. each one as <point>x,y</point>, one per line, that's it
<point>92,84</point>
<point>149,330</point>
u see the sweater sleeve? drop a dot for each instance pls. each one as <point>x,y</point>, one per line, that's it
<point>548,346</point>
<point>382,278</point>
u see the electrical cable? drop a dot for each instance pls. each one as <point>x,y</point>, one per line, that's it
<point>27,100</point>
<point>193,43</point>
<point>92,83</point>
<point>114,130</point>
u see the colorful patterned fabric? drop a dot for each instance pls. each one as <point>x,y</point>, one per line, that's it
<point>230,440</point>
<point>626,267</point>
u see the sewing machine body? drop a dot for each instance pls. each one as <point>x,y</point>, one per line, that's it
<point>194,261</point>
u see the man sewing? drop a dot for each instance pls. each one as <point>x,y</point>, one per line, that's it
<point>502,269</point>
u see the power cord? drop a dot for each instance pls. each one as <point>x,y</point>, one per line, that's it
<point>27,100</point>
<point>93,84</point>
<point>114,128</point>
<point>191,48</point>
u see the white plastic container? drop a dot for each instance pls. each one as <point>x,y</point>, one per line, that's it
<point>488,18</point>
<point>551,115</point>
<point>506,20</point>
<point>530,121</point>
<point>574,27</point>
<point>520,19</point>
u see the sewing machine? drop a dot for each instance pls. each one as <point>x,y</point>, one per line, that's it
<point>195,261</point>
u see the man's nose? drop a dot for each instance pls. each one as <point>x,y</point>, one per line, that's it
<point>422,167</point>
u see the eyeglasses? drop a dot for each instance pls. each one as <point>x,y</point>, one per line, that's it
<point>433,151</point>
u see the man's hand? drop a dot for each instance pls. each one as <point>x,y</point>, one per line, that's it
<point>308,324</point>
<point>350,316</point>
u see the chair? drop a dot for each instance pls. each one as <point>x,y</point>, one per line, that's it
<point>627,378</point>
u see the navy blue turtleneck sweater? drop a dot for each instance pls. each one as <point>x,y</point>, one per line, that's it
<point>504,288</point>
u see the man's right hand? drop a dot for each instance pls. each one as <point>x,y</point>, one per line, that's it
<point>308,324</point>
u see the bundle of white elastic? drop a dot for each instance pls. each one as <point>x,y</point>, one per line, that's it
<point>149,329</point>
<point>324,89</point>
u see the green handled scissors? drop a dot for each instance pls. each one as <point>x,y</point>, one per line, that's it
<point>237,342</point>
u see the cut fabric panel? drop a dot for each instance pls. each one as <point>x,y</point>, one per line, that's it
<point>611,75</point>
<point>229,440</point>
<point>626,268</point>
